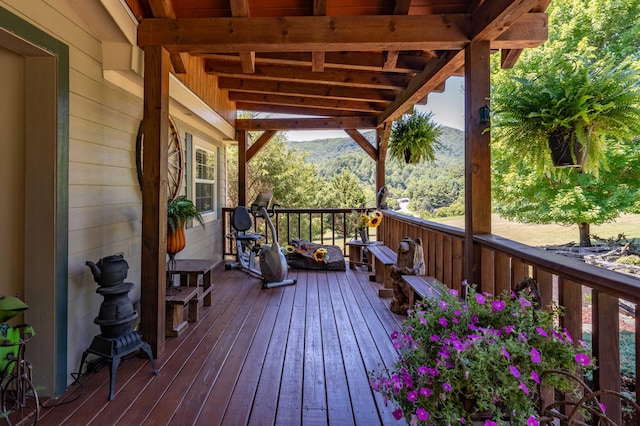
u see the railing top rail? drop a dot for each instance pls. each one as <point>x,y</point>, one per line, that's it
<point>437,227</point>
<point>610,282</point>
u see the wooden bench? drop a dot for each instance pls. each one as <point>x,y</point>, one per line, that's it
<point>382,258</point>
<point>179,299</point>
<point>422,286</point>
<point>190,271</point>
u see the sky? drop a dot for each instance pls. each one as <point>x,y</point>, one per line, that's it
<point>447,107</point>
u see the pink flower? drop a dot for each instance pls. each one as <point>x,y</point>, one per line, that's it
<point>480,299</point>
<point>531,421</point>
<point>497,305</point>
<point>566,332</point>
<point>508,328</point>
<point>524,302</point>
<point>412,396</point>
<point>542,332</point>
<point>397,414</point>
<point>535,377</point>
<point>505,353</point>
<point>443,322</point>
<point>426,392</point>
<point>535,356</point>
<point>435,337</point>
<point>514,371</point>
<point>422,414</point>
<point>490,423</point>
<point>446,386</point>
<point>524,387</point>
<point>583,359</point>
<point>443,305</point>
<point>423,321</point>
<point>454,292</point>
<point>422,370</point>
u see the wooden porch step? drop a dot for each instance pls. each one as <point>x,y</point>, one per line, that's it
<point>177,300</point>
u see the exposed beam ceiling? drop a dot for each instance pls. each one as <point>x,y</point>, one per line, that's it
<point>336,58</point>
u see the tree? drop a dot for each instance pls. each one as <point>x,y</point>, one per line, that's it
<point>343,190</point>
<point>580,31</point>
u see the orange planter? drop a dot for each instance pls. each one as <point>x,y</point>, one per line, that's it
<point>176,240</point>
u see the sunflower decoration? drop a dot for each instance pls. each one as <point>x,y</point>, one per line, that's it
<point>288,249</point>
<point>375,219</point>
<point>320,255</point>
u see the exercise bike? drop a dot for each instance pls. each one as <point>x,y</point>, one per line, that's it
<point>273,265</point>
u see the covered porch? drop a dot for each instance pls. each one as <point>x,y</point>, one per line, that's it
<point>288,355</point>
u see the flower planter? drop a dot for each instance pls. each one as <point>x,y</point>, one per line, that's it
<point>176,240</point>
<point>561,153</point>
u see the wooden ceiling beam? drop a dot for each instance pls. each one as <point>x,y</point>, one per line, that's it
<point>433,75</point>
<point>240,8</point>
<point>531,31</point>
<point>331,77</point>
<point>306,123</point>
<point>492,18</point>
<point>317,61</point>
<point>319,33</point>
<point>277,99</point>
<point>306,89</point>
<point>306,33</point>
<point>164,9</point>
<point>297,110</point>
<point>366,61</point>
<point>363,142</point>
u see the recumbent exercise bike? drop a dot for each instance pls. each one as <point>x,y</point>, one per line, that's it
<point>273,265</point>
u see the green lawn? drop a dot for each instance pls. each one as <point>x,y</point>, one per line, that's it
<point>540,235</point>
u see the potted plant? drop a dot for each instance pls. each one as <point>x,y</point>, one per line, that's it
<point>459,359</point>
<point>414,138</point>
<point>569,110</point>
<point>179,211</point>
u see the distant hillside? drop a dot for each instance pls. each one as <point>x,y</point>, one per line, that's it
<point>322,150</point>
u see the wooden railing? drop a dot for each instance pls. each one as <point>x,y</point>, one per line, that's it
<point>323,226</point>
<point>563,280</point>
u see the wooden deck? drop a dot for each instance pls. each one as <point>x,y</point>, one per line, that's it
<point>286,356</point>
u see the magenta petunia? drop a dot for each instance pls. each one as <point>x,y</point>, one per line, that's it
<point>505,353</point>
<point>490,423</point>
<point>524,302</point>
<point>422,370</point>
<point>422,414</point>
<point>509,328</point>
<point>446,386</point>
<point>566,332</point>
<point>542,332</point>
<point>531,421</point>
<point>524,387</point>
<point>535,356</point>
<point>535,377</point>
<point>443,305</point>
<point>435,337</point>
<point>443,322</point>
<point>583,359</point>
<point>514,371</point>
<point>454,292</point>
<point>397,414</point>
<point>423,321</point>
<point>480,299</point>
<point>426,392</point>
<point>412,396</point>
<point>497,305</point>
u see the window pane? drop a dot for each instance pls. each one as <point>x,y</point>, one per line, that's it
<point>205,165</point>
<point>204,196</point>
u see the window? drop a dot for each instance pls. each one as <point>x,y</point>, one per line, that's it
<point>205,181</point>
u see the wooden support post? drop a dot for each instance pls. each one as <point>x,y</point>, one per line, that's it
<point>382,137</point>
<point>606,349</point>
<point>477,154</point>
<point>154,196</point>
<point>243,136</point>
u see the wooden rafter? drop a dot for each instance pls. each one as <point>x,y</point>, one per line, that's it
<point>298,101</point>
<point>317,62</point>
<point>240,8</point>
<point>260,143</point>
<point>363,142</point>
<point>298,110</point>
<point>164,9</point>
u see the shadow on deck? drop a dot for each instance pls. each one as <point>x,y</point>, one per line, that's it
<point>290,355</point>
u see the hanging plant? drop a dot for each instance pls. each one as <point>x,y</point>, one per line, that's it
<point>414,138</point>
<point>569,109</point>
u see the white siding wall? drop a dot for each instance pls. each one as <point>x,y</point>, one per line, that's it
<point>104,197</point>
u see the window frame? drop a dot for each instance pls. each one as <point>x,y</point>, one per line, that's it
<point>200,144</point>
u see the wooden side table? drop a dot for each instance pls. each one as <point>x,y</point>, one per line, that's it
<point>356,252</point>
<point>189,271</point>
<point>177,300</point>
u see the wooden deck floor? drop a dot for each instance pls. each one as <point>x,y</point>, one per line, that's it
<point>285,356</point>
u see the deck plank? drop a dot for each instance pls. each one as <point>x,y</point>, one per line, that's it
<point>284,356</point>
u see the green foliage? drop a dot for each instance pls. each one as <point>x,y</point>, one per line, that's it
<point>632,259</point>
<point>275,168</point>
<point>414,138</point>
<point>343,190</point>
<point>567,197</point>
<point>180,210</point>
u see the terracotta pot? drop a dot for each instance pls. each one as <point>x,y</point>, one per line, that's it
<point>176,240</point>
